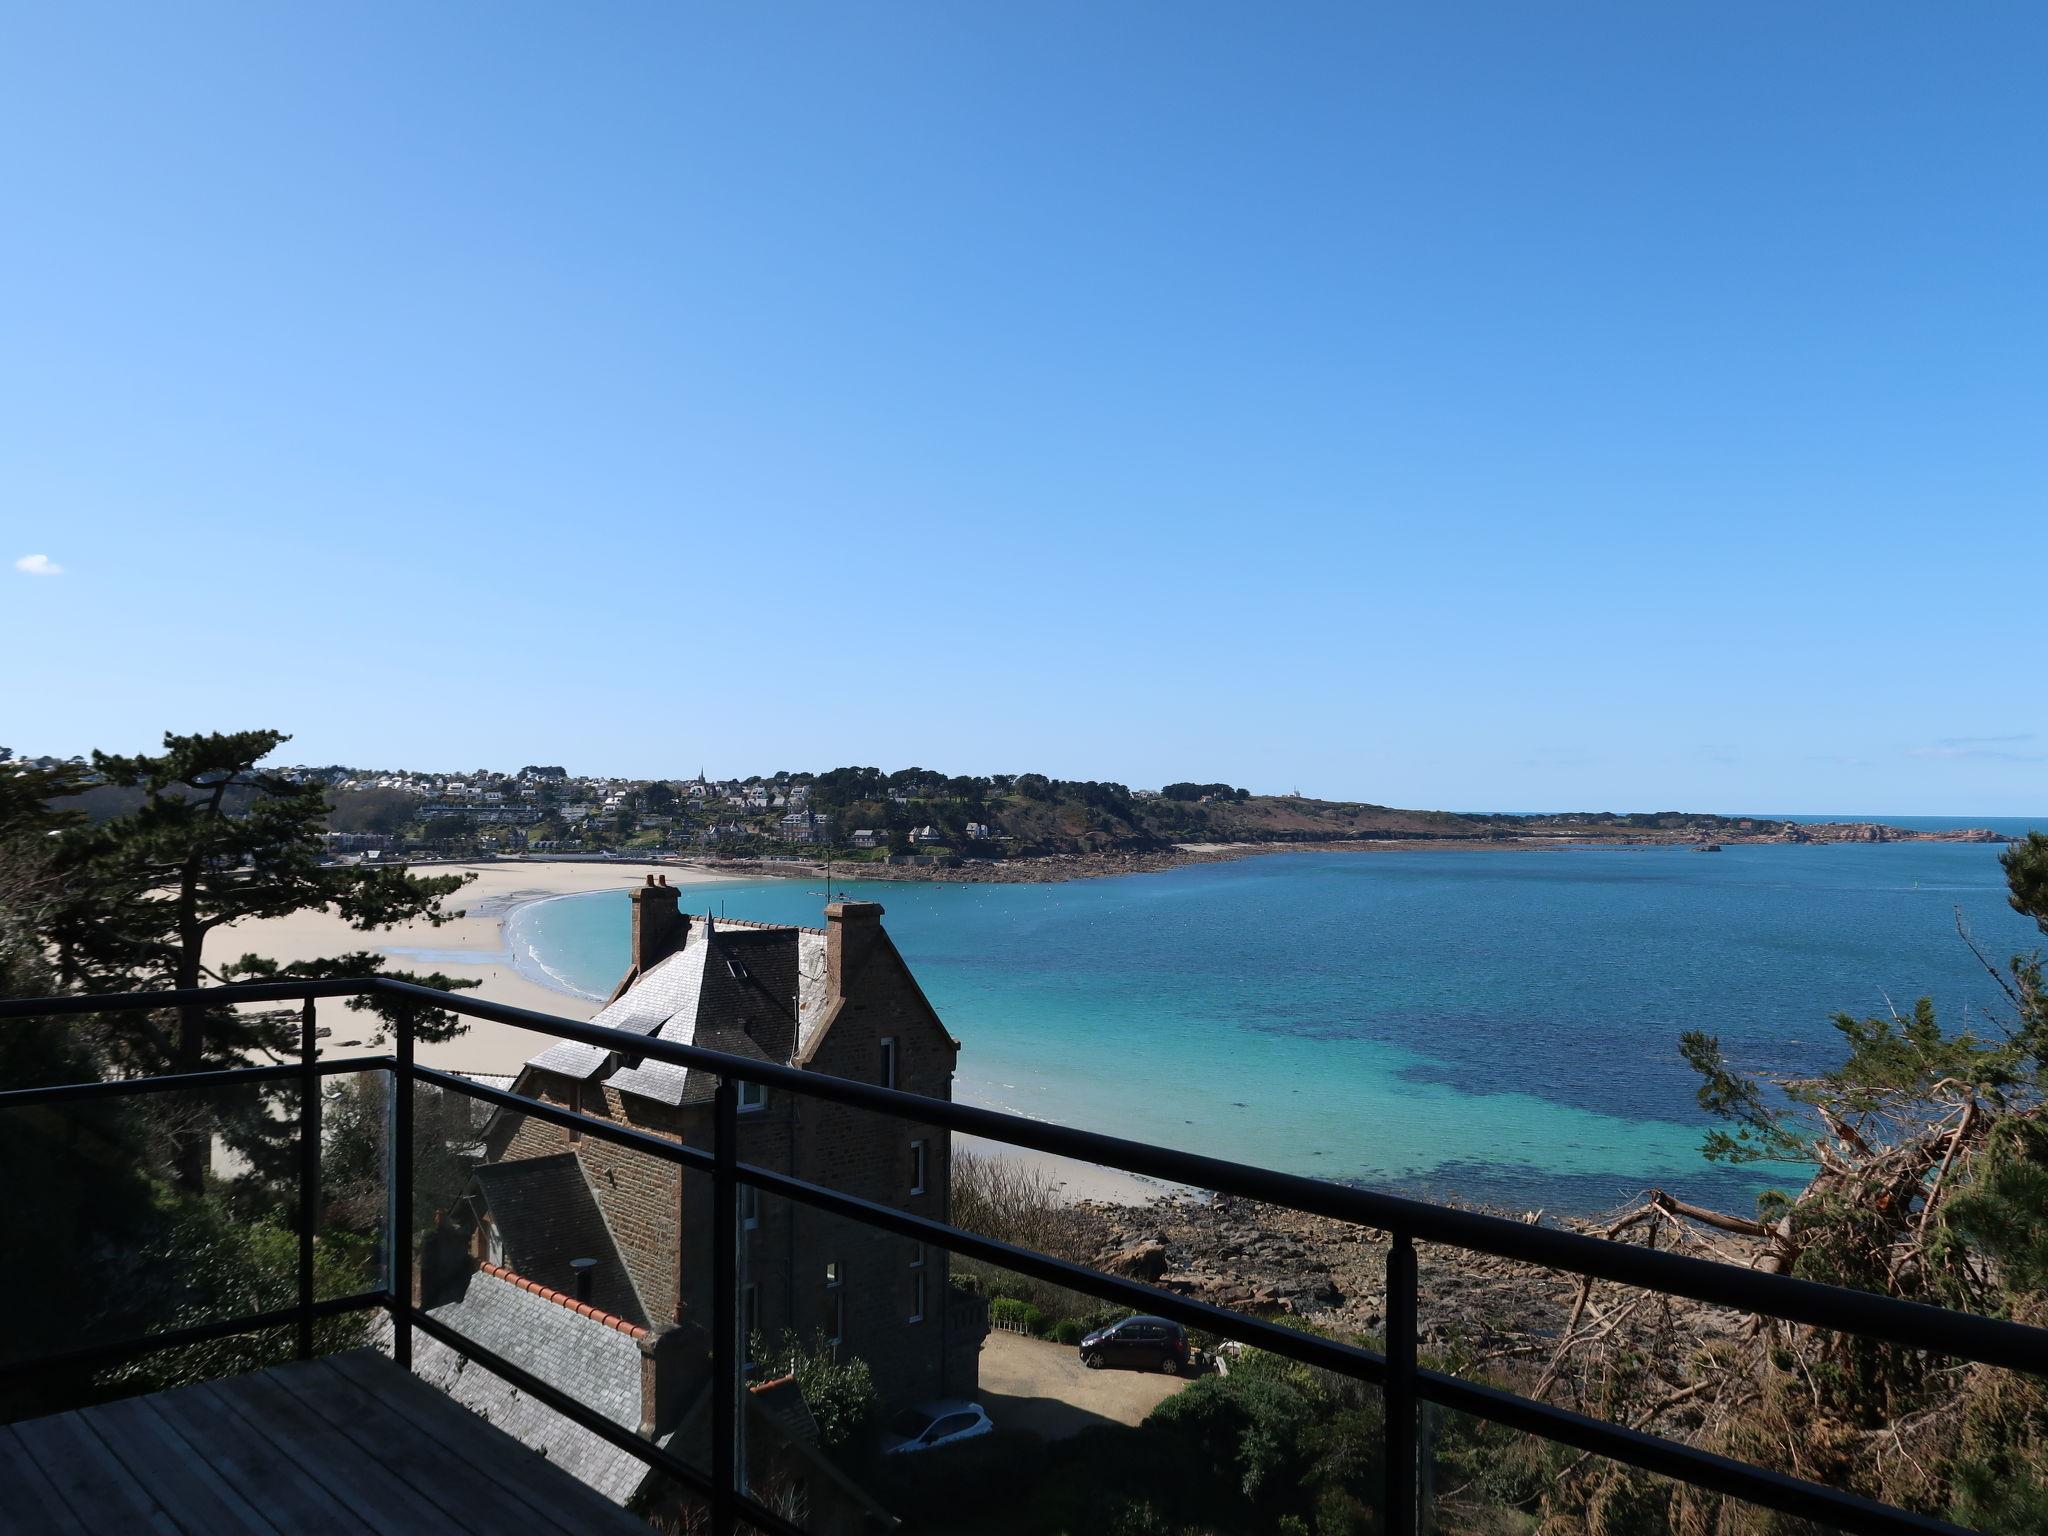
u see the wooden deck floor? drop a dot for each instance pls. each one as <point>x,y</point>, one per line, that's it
<point>348,1445</point>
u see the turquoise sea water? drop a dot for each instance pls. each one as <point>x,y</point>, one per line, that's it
<point>1497,1024</point>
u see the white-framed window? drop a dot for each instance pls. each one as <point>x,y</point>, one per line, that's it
<point>750,1207</point>
<point>751,1096</point>
<point>916,1296</point>
<point>888,1078</point>
<point>917,1255</point>
<point>917,1167</point>
<point>831,1274</point>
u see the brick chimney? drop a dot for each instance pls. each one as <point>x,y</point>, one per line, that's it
<point>851,929</point>
<point>659,927</point>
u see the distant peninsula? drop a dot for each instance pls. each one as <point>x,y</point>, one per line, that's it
<point>916,821</point>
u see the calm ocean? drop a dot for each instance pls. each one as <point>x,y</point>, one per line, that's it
<point>1501,1025</point>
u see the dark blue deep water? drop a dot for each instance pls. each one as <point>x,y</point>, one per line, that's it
<point>1496,1024</point>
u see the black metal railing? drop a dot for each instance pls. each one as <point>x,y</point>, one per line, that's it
<point>1406,1385</point>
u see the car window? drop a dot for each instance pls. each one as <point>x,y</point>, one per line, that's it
<point>910,1423</point>
<point>952,1424</point>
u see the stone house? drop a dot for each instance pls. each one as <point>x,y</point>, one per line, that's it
<point>839,1001</point>
<point>802,827</point>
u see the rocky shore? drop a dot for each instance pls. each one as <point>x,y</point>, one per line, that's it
<point>1055,868</point>
<point>1251,1257</point>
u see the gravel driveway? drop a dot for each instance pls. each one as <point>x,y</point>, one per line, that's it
<point>1044,1388</point>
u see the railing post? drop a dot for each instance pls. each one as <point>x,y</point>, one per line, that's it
<point>1400,1389</point>
<point>725,1322</point>
<point>401,1196</point>
<point>309,1168</point>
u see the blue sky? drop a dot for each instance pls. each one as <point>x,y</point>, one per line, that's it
<point>1467,405</point>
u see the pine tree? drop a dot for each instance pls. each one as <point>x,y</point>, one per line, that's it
<point>216,840</point>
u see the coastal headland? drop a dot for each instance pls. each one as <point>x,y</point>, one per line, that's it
<point>1054,867</point>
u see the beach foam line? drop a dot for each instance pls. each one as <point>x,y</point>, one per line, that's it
<point>526,957</point>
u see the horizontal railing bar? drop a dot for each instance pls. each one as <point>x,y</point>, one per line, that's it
<point>181,1082</point>
<point>1652,1453</point>
<point>1311,1349</point>
<point>589,1125</point>
<point>1914,1325</point>
<point>1308,1348</point>
<point>118,1351</point>
<point>1683,1463</point>
<point>543,1391</point>
<point>175,997</point>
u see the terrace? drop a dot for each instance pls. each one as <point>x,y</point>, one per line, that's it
<point>355,1441</point>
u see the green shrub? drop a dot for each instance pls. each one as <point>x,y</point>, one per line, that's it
<point>1009,1312</point>
<point>1069,1330</point>
<point>1252,1423</point>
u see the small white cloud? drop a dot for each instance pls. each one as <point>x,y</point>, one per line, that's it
<point>38,565</point>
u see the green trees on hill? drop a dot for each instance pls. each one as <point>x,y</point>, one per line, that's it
<point>1203,792</point>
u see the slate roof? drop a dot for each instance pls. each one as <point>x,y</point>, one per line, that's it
<point>546,1216</point>
<point>598,1366</point>
<point>751,991</point>
<point>595,1364</point>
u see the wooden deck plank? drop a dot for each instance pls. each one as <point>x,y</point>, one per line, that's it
<point>191,1491</point>
<point>101,1493</point>
<point>31,1505</point>
<point>541,1484</point>
<point>252,1465</point>
<point>381,1499</point>
<point>348,1446</point>
<point>489,1507</point>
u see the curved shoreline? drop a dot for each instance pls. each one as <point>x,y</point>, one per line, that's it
<point>524,953</point>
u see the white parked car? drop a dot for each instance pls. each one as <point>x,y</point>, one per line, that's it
<point>930,1424</point>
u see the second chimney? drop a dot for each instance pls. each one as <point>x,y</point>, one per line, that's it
<point>851,928</point>
<point>659,927</point>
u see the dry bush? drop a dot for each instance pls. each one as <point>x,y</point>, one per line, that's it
<point>1013,1202</point>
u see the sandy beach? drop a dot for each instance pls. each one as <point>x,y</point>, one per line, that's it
<point>1075,1179</point>
<point>479,933</point>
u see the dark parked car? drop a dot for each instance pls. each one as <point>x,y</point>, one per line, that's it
<point>1148,1343</point>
